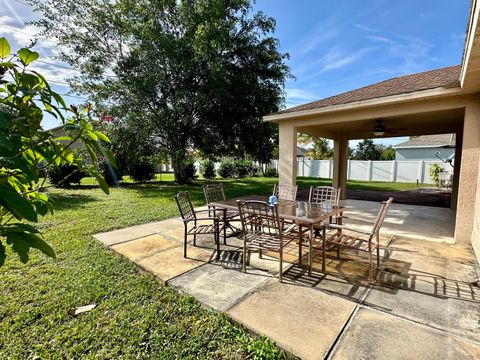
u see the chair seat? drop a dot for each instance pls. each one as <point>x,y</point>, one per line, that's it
<point>351,241</point>
<point>262,241</point>
<point>202,229</point>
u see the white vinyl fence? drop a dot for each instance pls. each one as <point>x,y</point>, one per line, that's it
<point>393,171</point>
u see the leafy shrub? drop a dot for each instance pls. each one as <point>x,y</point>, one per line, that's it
<point>434,170</point>
<point>207,169</point>
<point>243,167</point>
<point>65,175</point>
<point>227,169</point>
<point>270,172</point>
<point>141,171</point>
<point>190,169</point>
<point>111,174</point>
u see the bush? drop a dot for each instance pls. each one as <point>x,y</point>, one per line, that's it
<point>111,175</point>
<point>270,172</point>
<point>227,169</point>
<point>141,171</point>
<point>207,169</point>
<point>65,175</point>
<point>190,169</point>
<point>243,167</point>
<point>434,170</point>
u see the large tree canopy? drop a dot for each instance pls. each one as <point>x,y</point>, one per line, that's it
<point>188,73</point>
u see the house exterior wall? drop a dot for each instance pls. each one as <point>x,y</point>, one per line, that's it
<point>423,153</point>
<point>476,223</point>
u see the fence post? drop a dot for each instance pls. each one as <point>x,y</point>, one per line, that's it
<point>330,168</point>
<point>369,170</point>
<point>420,171</point>
<point>348,169</point>
<point>393,174</point>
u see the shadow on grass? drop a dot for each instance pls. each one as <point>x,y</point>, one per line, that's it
<point>69,201</point>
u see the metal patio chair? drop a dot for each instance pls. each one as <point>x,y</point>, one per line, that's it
<point>262,230</point>
<point>189,216</point>
<point>324,195</point>
<point>366,241</point>
<point>285,192</point>
<point>215,192</point>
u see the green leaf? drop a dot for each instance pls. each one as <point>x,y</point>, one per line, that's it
<point>102,183</point>
<point>22,242</point>
<point>27,56</point>
<point>16,204</point>
<point>4,48</point>
<point>102,136</point>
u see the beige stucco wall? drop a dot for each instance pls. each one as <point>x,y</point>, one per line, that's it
<point>467,188</point>
<point>476,223</point>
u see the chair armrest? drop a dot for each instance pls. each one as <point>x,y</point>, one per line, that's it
<point>343,227</point>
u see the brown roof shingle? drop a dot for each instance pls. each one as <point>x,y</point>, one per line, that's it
<point>448,77</point>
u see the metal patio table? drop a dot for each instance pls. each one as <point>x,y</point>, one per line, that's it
<point>302,213</point>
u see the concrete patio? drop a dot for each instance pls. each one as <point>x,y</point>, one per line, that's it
<point>424,305</point>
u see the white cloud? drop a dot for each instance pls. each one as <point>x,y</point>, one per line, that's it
<point>365,28</point>
<point>336,59</point>
<point>380,39</point>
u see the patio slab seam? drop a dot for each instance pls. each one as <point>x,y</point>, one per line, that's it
<point>250,292</point>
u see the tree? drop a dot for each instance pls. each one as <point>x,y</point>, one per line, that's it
<point>194,73</point>
<point>321,149</point>
<point>27,151</point>
<point>366,150</point>
<point>388,153</point>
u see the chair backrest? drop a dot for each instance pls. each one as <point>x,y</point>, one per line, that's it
<point>381,215</point>
<point>213,192</point>
<point>185,205</point>
<point>259,217</point>
<point>285,192</point>
<point>324,195</point>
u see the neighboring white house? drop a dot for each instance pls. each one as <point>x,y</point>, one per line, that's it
<point>425,147</point>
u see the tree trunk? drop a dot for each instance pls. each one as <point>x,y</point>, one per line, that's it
<point>179,170</point>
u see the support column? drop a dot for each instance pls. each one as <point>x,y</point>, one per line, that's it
<point>456,169</point>
<point>467,186</point>
<point>340,161</point>
<point>287,167</point>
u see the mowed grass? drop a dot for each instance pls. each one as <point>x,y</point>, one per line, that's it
<point>136,316</point>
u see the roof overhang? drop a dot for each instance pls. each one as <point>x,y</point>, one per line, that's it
<point>388,100</point>
<point>470,73</point>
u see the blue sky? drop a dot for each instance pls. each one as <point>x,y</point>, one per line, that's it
<point>334,46</point>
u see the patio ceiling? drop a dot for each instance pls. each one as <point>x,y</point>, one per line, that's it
<point>428,123</point>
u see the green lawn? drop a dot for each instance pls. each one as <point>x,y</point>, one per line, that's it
<point>136,316</point>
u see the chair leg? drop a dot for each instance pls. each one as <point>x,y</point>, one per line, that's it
<point>370,277</point>
<point>185,245</point>
<point>225,224</point>
<point>300,246</point>
<point>281,266</point>
<point>260,255</point>
<point>378,257</point>
<point>217,241</point>
<point>194,239</point>
<point>244,259</point>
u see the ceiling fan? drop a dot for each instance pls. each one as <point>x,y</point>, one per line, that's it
<point>379,129</point>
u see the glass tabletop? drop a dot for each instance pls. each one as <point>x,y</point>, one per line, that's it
<point>293,210</point>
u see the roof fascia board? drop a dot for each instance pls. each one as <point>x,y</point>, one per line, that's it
<point>469,40</point>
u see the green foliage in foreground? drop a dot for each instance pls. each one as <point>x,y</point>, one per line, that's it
<point>136,316</point>
<point>27,151</point>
